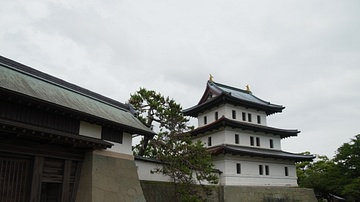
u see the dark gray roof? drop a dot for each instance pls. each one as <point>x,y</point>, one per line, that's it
<point>216,94</point>
<point>24,80</point>
<point>223,122</point>
<point>266,153</point>
<point>242,95</point>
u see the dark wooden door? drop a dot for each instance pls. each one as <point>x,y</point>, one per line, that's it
<point>15,178</point>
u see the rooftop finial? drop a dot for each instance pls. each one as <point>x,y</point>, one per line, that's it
<point>211,78</point>
<point>248,88</point>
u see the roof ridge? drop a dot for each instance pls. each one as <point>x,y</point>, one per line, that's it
<point>233,88</point>
<point>60,82</point>
<point>244,91</point>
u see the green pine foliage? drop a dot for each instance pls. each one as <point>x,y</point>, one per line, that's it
<point>186,162</point>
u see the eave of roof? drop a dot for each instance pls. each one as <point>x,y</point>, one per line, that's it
<point>265,153</point>
<point>227,94</point>
<point>38,132</point>
<point>223,122</point>
<point>23,80</point>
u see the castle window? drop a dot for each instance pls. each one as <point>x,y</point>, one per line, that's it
<point>244,116</point>
<point>258,119</point>
<point>267,170</point>
<point>216,116</point>
<point>258,142</point>
<point>205,120</point>
<point>209,141</point>
<point>261,172</point>
<point>271,143</point>
<point>237,141</point>
<point>251,140</point>
<point>249,117</point>
<point>238,168</point>
<point>233,114</point>
<point>286,171</point>
<point>111,134</point>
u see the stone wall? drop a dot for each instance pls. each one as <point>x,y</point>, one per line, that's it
<point>109,177</point>
<point>164,192</point>
<point>268,194</point>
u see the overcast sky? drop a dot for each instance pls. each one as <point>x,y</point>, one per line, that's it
<point>304,55</point>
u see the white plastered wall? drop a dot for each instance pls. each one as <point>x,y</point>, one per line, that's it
<point>250,176</point>
<point>93,130</point>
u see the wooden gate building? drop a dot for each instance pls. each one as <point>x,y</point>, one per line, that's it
<point>61,142</point>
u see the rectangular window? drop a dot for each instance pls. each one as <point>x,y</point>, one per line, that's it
<point>209,141</point>
<point>249,117</point>
<point>251,140</point>
<point>237,139</point>
<point>271,143</point>
<point>261,170</point>
<point>267,170</point>
<point>238,168</point>
<point>258,142</point>
<point>258,119</point>
<point>216,116</point>
<point>111,134</point>
<point>286,171</point>
<point>205,120</point>
<point>233,114</point>
<point>244,116</point>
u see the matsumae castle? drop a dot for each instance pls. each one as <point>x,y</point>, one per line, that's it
<point>60,142</point>
<point>232,125</point>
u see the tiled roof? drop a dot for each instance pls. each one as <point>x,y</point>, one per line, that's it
<point>216,94</point>
<point>266,153</point>
<point>223,122</point>
<point>24,80</point>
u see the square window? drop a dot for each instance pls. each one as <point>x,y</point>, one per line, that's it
<point>238,168</point>
<point>258,119</point>
<point>244,116</point>
<point>249,117</point>
<point>216,115</point>
<point>237,141</point>
<point>286,171</point>
<point>233,114</point>
<point>205,120</point>
<point>251,140</point>
<point>258,142</point>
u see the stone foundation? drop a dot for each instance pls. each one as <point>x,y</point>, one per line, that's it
<point>109,177</point>
<point>164,192</point>
<point>268,194</point>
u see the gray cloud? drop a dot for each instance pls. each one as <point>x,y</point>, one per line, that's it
<point>301,55</point>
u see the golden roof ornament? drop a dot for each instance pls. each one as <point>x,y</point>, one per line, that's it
<point>211,78</point>
<point>248,88</point>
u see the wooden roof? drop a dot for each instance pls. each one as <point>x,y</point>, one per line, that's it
<point>224,122</point>
<point>216,94</point>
